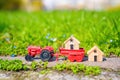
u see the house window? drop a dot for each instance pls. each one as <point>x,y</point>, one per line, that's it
<point>71,40</point>
<point>71,44</point>
<point>95,51</point>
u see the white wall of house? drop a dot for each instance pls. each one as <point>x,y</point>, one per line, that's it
<point>114,2</point>
<point>79,4</point>
<point>97,4</point>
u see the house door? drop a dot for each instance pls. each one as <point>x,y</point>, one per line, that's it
<point>95,58</point>
<point>71,46</point>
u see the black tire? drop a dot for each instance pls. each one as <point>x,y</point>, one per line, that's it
<point>45,55</point>
<point>29,58</point>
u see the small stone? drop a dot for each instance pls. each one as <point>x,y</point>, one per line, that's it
<point>40,75</point>
<point>70,77</point>
<point>103,73</point>
<point>3,76</point>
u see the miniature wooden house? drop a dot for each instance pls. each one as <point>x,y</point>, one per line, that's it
<point>95,54</point>
<point>71,43</point>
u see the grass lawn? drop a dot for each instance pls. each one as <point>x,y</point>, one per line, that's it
<point>18,30</point>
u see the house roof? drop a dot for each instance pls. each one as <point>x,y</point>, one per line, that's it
<point>94,48</point>
<point>72,37</point>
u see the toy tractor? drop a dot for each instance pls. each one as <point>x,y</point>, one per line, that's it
<point>45,53</point>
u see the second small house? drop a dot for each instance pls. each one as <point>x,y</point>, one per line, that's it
<point>95,54</point>
<point>71,43</point>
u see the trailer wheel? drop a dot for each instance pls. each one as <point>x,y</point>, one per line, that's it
<point>45,55</point>
<point>29,58</point>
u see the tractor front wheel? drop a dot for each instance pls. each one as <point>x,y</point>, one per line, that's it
<point>29,58</point>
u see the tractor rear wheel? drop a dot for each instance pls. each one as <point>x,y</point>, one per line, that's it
<point>29,58</point>
<point>45,55</point>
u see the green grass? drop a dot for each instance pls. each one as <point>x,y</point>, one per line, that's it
<point>77,68</point>
<point>18,30</point>
<point>12,65</point>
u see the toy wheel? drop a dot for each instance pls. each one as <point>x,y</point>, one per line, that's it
<point>45,55</point>
<point>29,58</point>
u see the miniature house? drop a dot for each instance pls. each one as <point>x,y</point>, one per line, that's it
<point>95,54</point>
<point>71,43</point>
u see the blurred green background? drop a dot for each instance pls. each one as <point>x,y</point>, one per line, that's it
<point>22,25</point>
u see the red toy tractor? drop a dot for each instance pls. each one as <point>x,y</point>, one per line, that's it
<point>47,53</point>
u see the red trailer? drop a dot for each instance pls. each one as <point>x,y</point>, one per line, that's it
<point>73,55</point>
